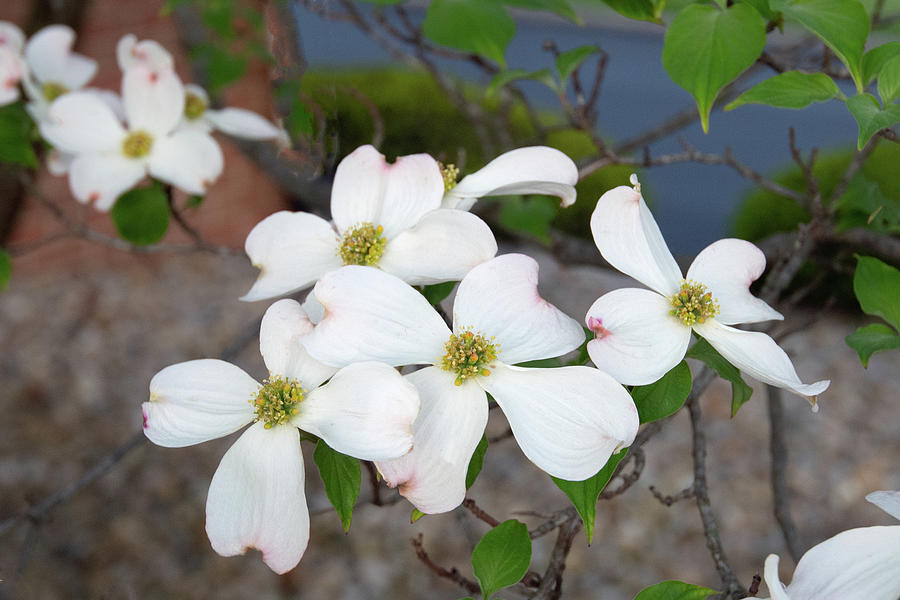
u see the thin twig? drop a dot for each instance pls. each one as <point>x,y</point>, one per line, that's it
<point>780,492</point>
<point>452,574</point>
<point>551,581</point>
<point>479,512</point>
<point>668,500</point>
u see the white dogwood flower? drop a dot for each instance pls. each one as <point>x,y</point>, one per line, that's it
<point>385,215</point>
<point>53,69</point>
<point>858,564</point>
<point>110,159</point>
<point>12,65</point>
<point>131,52</point>
<point>639,335</point>
<point>530,170</point>
<point>256,497</point>
<point>237,122</point>
<point>567,420</point>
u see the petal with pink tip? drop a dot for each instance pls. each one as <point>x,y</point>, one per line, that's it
<point>280,334</point>
<point>11,37</point>
<point>154,99</point>
<point>196,401</point>
<point>51,60</point>
<point>500,299</point>
<point>189,160</point>
<point>636,340</point>
<point>366,411</point>
<point>130,52</point>
<point>728,267</point>
<point>629,239</point>
<point>256,498</point>
<point>242,124</point>
<point>101,178</point>
<point>567,420</point>
<point>80,122</point>
<point>449,426</point>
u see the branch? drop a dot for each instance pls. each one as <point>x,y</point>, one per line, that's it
<point>780,493</point>
<point>551,582</point>
<point>452,574</point>
<point>479,512</point>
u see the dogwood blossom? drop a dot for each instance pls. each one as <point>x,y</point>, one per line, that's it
<point>256,497</point>
<point>858,564</point>
<point>53,69</point>
<point>110,159</point>
<point>385,215</point>
<point>639,334</point>
<point>567,420</point>
<point>12,65</point>
<point>531,170</point>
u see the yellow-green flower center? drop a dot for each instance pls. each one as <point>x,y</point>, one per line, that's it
<point>449,172</point>
<point>52,90</point>
<point>693,303</point>
<point>137,144</point>
<point>362,244</point>
<point>277,400</point>
<point>194,106</point>
<point>468,354</point>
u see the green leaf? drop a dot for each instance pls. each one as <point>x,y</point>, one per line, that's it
<point>436,292</point>
<point>866,109</point>
<point>529,215</point>
<point>641,10</point>
<point>5,269</point>
<point>877,287</point>
<point>706,48</point>
<point>558,7</point>
<point>568,61</point>
<point>864,204</point>
<point>472,25</point>
<point>584,494</point>
<point>141,216</point>
<point>762,6</point>
<point>874,60</point>
<point>664,397</point>
<point>842,24</point>
<point>341,475</point>
<point>504,77</point>
<point>740,391</point>
<point>476,462</point>
<point>222,66</point>
<point>502,556</point>
<point>790,90</point>
<point>675,590</point>
<point>383,1</point>
<point>889,81</point>
<point>193,201</point>
<point>415,516</point>
<point>873,338</point>
<point>15,136</point>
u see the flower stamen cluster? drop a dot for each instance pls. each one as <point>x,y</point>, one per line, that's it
<point>277,400</point>
<point>694,303</point>
<point>194,106</point>
<point>467,354</point>
<point>52,90</point>
<point>363,244</point>
<point>137,144</point>
<point>449,173</point>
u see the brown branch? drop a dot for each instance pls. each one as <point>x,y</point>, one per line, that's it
<point>479,512</point>
<point>451,574</point>
<point>668,500</point>
<point>871,241</point>
<point>780,493</point>
<point>551,581</point>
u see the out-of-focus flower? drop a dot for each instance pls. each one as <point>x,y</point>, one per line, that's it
<point>12,65</point>
<point>256,497</point>
<point>639,335</point>
<point>237,122</point>
<point>53,69</point>
<point>131,52</point>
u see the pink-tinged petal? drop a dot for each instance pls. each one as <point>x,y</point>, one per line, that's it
<point>371,315</point>
<point>567,420</point>
<point>153,97</point>
<point>532,170</point>
<point>758,356</point>
<point>432,250</point>
<point>10,74</point>
<point>59,163</point>
<point>189,160</point>
<point>292,250</point>
<point>131,52</point>
<point>500,299</point>
<point>728,267</point>
<point>773,581</point>
<point>11,37</point>
<point>283,326</point>
<point>243,124</point>
<point>629,239</point>
<point>366,410</point>
<point>80,122</point>
<point>358,189</point>
<point>887,501</point>
<point>858,564</point>
<point>449,426</point>
<point>101,178</point>
<point>196,401</point>
<point>636,340</point>
<point>256,498</point>
<point>51,60</point>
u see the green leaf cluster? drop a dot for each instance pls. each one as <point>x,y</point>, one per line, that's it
<point>502,557</point>
<point>16,130</point>
<point>675,590</point>
<point>141,215</point>
<point>877,287</point>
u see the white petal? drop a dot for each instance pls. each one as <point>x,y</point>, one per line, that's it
<point>50,58</point>
<point>443,246</point>
<point>81,122</point>
<point>358,188</point>
<point>758,356</point>
<point>243,124</point>
<point>532,170</point>
<point>366,410</point>
<point>131,52</point>
<point>189,160</point>
<point>11,37</point>
<point>371,315</point>
<point>728,267</point>
<point>11,72</point>
<point>500,298</point>
<point>567,420</point>
<point>636,340</point>
<point>858,564</point>
<point>112,100</point>
<point>889,502</point>
<point>59,163</point>
<point>773,581</point>
<point>153,97</point>
<point>101,178</point>
<point>449,426</point>
<point>256,498</point>
<point>629,239</point>
<point>292,250</point>
<point>313,308</point>
<point>283,326</point>
<point>196,401</point>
